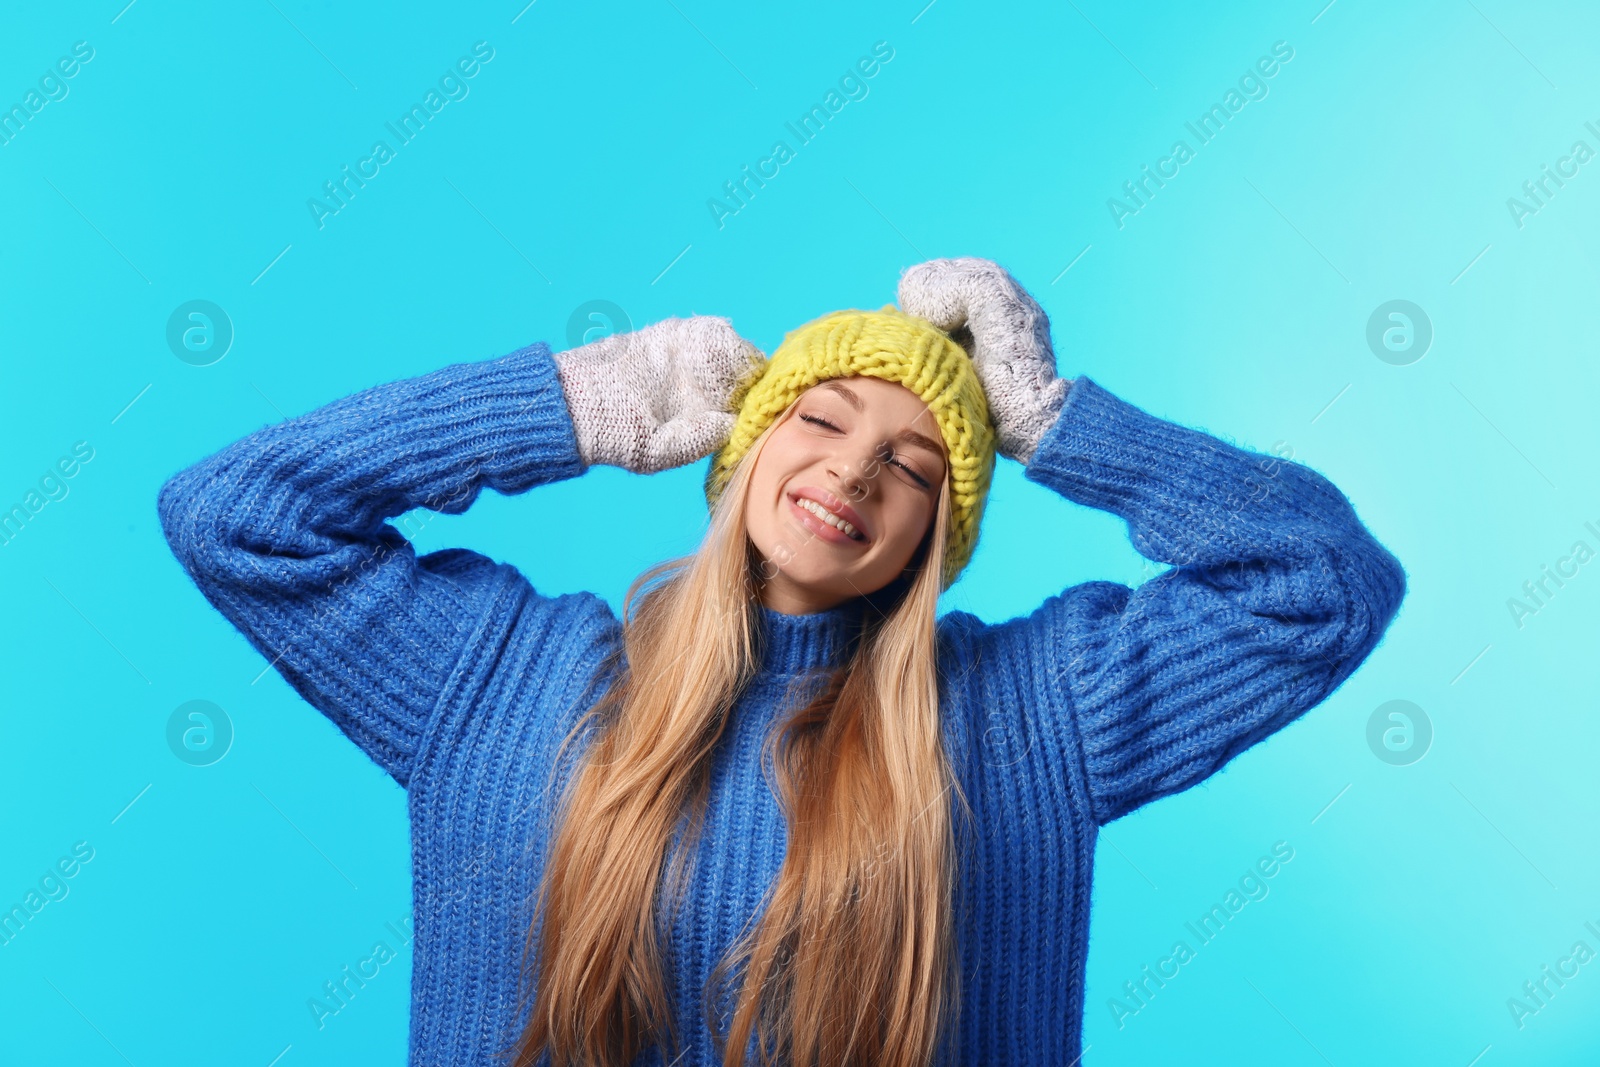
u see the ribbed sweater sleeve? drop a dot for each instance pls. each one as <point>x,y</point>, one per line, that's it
<point>1276,594</point>
<point>284,532</point>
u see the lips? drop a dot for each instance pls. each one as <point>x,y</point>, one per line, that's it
<point>835,505</point>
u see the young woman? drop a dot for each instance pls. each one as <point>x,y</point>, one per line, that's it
<point>778,811</point>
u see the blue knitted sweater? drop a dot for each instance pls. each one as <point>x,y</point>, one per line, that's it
<point>460,678</point>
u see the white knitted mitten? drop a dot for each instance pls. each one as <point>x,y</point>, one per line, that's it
<point>657,397</point>
<point>1006,333</point>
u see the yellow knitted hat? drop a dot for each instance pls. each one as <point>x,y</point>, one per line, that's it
<point>898,347</point>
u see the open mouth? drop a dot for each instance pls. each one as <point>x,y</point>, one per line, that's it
<point>825,523</point>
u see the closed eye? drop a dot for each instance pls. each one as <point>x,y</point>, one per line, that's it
<point>895,462</point>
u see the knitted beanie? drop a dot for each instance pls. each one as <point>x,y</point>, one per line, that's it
<point>897,347</point>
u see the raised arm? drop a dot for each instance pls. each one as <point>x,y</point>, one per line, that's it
<point>285,530</point>
<point>1276,595</point>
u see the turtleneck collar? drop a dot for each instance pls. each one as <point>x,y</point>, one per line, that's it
<point>796,643</point>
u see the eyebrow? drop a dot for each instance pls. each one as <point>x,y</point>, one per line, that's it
<point>906,436</point>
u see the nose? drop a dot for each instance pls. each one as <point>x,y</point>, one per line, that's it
<point>849,473</point>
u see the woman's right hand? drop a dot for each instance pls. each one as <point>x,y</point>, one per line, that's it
<point>657,397</point>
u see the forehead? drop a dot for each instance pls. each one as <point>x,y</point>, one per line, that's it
<point>874,393</point>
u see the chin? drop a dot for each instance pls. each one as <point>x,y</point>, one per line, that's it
<point>831,583</point>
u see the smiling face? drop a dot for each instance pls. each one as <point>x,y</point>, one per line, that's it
<point>869,452</point>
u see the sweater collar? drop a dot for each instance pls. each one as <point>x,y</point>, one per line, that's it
<point>796,643</point>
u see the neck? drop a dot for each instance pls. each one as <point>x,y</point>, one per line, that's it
<point>794,642</point>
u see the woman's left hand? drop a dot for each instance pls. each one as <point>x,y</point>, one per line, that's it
<point>1010,343</point>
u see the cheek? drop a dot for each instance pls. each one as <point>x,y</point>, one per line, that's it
<point>755,513</point>
<point>760,514</point>
<point>911,517</point>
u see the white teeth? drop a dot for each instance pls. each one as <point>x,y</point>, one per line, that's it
<point>827,516</point>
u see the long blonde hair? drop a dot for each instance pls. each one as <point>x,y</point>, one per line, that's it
<point>853,961</point>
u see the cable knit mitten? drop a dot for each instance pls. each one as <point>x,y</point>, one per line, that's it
<point>1006,333</point>
<point>657,397</point>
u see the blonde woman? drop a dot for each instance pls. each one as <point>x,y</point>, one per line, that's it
<point>778,811</point>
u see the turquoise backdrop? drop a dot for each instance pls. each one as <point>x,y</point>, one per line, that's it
<point>1357,154</point>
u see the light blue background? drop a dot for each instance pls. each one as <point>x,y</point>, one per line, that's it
<point>578,168</point>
